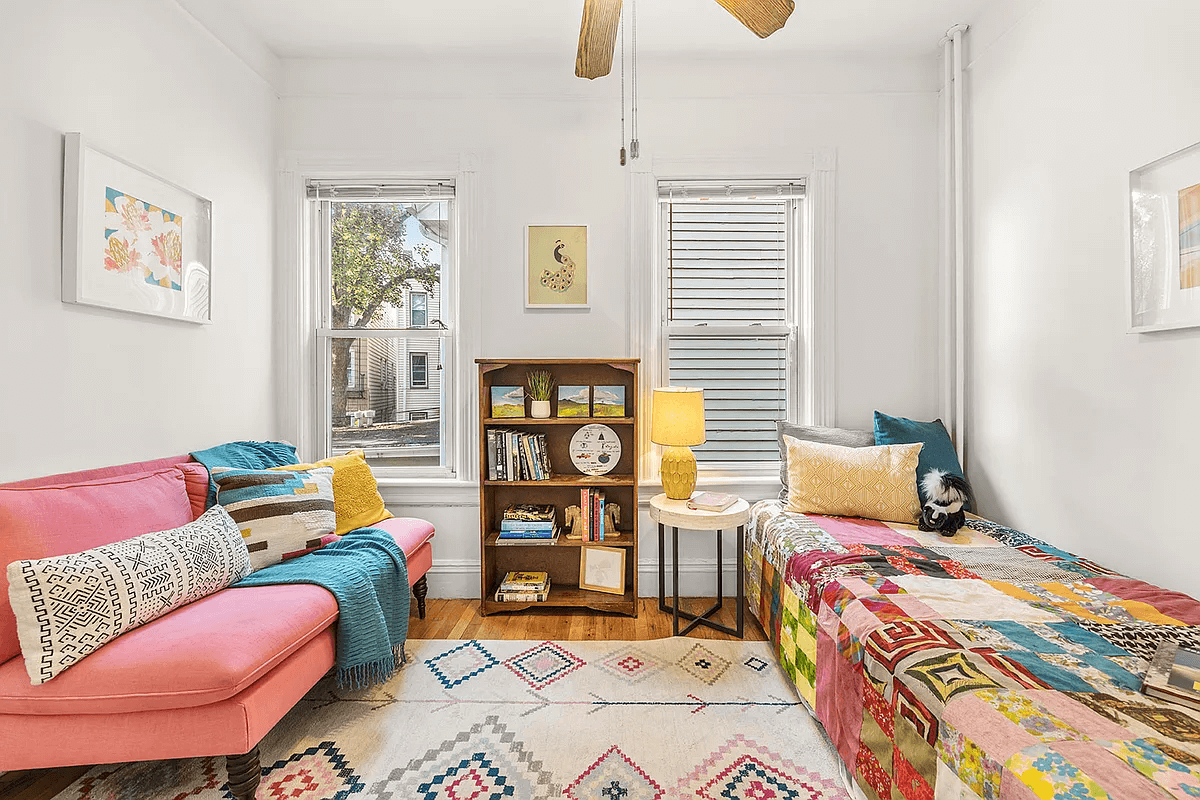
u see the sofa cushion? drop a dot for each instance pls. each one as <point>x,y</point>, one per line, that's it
<point>409,532</point>
<point>202,653</point>
<point>356,499</point>
<point>281,514</point>
<point>44,521</point>
<point>69,606</point>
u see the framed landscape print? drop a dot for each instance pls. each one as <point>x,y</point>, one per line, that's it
<point>556,266</point>
<point>131,240</point>
<point>1164,243</point>
<point>508,401</point>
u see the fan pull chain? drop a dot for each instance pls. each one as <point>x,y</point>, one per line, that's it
<point>622,24</point>
<point>634,146</point>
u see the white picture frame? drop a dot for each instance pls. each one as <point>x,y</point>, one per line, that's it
<point>1163,263</point>
<point>133,241</point>
<point>602,569</point>
<point>544,256</point>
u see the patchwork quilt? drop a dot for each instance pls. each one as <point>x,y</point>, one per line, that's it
<point>986,666</point>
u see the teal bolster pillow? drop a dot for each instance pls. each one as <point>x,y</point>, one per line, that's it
<point>938,452</point>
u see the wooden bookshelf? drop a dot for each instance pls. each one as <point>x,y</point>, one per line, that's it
<point>561,559</point>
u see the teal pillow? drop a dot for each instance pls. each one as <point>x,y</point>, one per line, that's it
<point>938,452</point>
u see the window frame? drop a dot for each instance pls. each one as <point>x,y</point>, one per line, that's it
<point>412,371</point>
<point>451,460</point>
<point>412,308</point>
<point>792,331</point>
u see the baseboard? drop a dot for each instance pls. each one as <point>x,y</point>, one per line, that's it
<point>452,578</point>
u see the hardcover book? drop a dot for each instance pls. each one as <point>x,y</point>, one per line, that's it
<point>1174,675</point>
<point>530,512</point>
<point>711,501</point>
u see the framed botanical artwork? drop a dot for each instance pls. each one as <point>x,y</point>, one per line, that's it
<point>602,569</point>
<point>556,266</point>
<point>1164,243</point>
<point>131,240</point>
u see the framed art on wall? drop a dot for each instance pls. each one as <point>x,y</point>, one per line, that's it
<point>556,266</point>
<point>131,240</point>
<point>1164,243</point>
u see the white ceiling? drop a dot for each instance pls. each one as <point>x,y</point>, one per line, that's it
<point>495,28</point>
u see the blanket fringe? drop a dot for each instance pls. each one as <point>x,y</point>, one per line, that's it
<point>360,676</point>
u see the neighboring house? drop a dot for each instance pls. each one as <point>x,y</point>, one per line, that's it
<point>399,379</point>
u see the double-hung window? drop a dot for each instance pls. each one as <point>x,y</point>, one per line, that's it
<point>384,256</point>
<point>730,256</point>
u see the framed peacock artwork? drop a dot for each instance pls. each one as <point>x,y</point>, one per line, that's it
<point>556,267</point>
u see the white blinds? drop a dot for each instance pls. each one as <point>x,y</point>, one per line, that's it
<point>729,261</point>
<point>406,191</point>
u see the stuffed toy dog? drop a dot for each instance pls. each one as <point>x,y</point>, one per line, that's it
<point>946,495</point>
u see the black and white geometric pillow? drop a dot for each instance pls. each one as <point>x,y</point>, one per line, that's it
<point>68,606</point>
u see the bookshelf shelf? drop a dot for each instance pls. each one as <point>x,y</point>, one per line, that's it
<point>624,540</point>
<point>561,559</point>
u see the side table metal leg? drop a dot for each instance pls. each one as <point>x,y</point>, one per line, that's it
<point>720,573</point>
<point>675,578</point>
<point>662,568</point>
<point>741,580</point>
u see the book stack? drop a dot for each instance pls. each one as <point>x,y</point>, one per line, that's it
<point>591,506</point>
<point>526,523</point>
<point>1174,675</point>
<point>711,501</point>
<point>524,587</point>
<point>517,456</point>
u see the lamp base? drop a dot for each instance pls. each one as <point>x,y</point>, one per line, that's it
<point>678,473</point>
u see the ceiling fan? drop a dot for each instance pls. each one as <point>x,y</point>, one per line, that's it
<point>598,30</point>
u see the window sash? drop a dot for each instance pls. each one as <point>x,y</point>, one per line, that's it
<point>319,194</point>
<point>413,309</point>
<point>740,413</point>
<point>415,360</point>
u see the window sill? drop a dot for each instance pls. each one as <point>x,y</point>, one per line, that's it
<point>428,491</point>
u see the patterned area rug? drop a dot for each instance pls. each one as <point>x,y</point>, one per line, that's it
<point>485,720</point>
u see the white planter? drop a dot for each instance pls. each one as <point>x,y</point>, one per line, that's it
<point>539,409</point>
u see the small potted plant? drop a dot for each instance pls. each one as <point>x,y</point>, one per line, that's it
<point>541,384</point>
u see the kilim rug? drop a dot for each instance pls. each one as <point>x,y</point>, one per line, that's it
<point>486,720</point>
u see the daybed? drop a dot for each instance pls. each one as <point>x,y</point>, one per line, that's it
<point>208,679</point>
<point>987,665</point>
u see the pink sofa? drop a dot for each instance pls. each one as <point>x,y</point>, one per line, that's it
<point>208,679</point>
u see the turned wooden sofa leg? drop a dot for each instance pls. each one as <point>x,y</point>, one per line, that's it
<point>245,772</point>
<point>420,589</point>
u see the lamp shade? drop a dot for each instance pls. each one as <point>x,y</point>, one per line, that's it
<point>677,418</point>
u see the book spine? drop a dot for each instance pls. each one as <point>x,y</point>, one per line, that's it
<point>585,515</point>
<point>525,588</point>
<point>600,516</point>
<point>595,516</point>
<point>522,597</point>
<point>491,455</point>
<point>546,533</point>
<point>502,454</point>
<point>546,456</point>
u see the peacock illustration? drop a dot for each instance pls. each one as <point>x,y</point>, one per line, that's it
<point>561,279</point>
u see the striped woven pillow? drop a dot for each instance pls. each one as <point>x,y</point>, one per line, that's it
<point>280,514</point>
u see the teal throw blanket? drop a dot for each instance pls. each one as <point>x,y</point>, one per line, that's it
<point>244,455</point>
<point>365,570</point>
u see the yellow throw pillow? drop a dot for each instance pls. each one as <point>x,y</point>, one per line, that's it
<point>871,482</point>
<point>356,499</point>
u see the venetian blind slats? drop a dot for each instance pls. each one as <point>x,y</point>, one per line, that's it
<point>727,263</point>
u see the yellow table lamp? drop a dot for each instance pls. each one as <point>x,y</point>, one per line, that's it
<point>677,421</point>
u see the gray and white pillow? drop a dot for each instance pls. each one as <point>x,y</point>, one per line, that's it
<point>844,437</point>
<point>68,606</point>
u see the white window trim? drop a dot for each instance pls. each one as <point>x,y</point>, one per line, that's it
<point>815,404</point>
<point>298,279</point>
<point>412,307</point>
<point>412,384</point>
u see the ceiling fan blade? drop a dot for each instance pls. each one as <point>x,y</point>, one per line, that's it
<point>764,17</point>
<point>597,37</point>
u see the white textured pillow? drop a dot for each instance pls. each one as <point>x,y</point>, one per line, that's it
<point>68,606</point>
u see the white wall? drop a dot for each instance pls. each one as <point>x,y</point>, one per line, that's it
<point>547,146</point>
<point>1079,433</point>
<point>85,387</point>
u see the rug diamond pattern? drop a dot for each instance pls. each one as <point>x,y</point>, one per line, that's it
<point>543,664</point>
<point>460,664</point>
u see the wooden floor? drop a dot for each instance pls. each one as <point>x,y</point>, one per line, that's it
<point>460,619</point>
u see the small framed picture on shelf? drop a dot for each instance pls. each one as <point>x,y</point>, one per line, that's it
<point>574,401</point>
<point>608,401</point>
<point>602,569</point>
<point>508,401</point>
